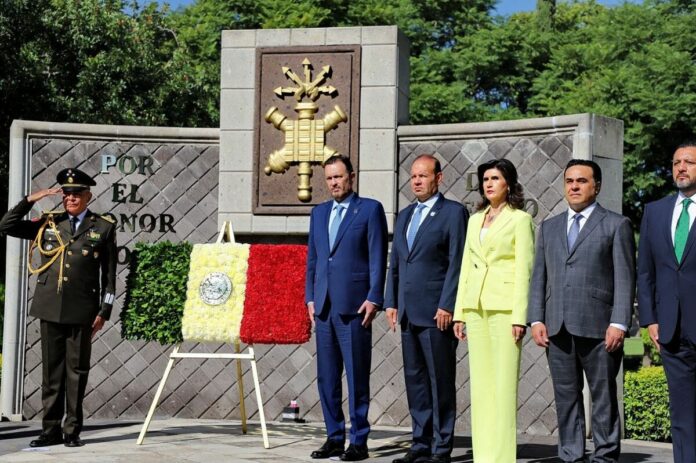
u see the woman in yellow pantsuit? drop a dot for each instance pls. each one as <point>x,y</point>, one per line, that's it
<point>491,308</point>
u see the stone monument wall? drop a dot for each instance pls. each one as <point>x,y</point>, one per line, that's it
<point>179,184</point>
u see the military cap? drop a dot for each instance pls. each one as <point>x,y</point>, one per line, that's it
<point>73,180</point>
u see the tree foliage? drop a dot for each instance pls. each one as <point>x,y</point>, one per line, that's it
<point>632,62</point>
<point>635,63</point>
<point>90,61</point>
<point>112,62</point>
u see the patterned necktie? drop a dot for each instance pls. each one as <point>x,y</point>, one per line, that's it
<point>682,231</point>
<point>73,224</point>
<point>574,231</point>
<point>415,223</point>
<point>333,229</point>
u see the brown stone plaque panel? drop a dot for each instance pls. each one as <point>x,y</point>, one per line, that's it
<point>277,194</point>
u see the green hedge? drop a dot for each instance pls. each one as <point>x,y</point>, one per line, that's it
<point>650,351</point>
<point>646,405</point>
<point>156,292</point>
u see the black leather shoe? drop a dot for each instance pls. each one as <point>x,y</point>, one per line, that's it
<point>44,440</point>
<point>73,440</point>
<point>439,459</point>
<point>331,448</point>
<point>412,457</point>
<point>355,453</point>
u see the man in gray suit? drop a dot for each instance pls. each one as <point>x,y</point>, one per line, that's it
<point>580,304</point>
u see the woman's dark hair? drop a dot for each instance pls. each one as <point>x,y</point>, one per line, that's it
<point>515,194</point>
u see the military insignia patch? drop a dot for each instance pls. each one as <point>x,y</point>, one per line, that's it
<point>94,236</point>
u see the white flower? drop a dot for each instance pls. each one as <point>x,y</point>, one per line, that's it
<point>204,322</point>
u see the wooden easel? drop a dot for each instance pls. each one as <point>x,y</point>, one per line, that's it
<point>226,235</point>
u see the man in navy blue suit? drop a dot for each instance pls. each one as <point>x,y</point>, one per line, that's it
<point>346,264</point>
<point>666,302</point>
<point>421,290</point>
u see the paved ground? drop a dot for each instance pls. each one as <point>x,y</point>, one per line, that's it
<point>207,441</point>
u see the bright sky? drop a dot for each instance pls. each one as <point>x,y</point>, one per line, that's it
<point>504,7</point>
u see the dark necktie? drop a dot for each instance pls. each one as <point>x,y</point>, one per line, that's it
<point>681,233</point>
<point>73,224</point>
<point>574,231</point>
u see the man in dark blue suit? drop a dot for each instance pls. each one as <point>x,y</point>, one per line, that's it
<point>421,290</point>
<point>666,302</point>
<point>346,264</point>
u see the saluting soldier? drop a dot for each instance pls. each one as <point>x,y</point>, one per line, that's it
<point>74,293</point>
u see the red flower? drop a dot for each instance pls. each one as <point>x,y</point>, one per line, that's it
<point>274,308</point>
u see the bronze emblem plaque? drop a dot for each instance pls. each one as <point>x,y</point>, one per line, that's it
<point>307,110</point>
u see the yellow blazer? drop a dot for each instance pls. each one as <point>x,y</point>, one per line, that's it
<point>496,272</point>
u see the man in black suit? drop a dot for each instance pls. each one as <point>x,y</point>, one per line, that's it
<point>422,284</point>
<point>74,294</point>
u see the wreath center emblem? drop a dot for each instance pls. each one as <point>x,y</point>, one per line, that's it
<point>216,288</point>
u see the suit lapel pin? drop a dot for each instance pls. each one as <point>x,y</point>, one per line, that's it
<point>432,214</point>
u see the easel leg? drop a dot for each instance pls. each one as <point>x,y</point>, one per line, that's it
<point>240,386</point>
<point>259,400</point>
<point>151,412</point>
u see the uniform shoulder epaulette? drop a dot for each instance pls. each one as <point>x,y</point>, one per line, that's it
<point>53,212</point>
<point>108,218</point>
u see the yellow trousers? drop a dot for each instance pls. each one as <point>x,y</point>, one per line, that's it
<point>494,364</point>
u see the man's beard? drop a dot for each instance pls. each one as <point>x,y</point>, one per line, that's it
<point>685,185</point>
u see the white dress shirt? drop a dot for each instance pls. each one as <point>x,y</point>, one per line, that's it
<point>585,213</point>
<point>429,203</point>
<point>678,210</point>
<point>334,209</point>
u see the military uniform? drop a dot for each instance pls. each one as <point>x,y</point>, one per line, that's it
<point>75,283</point>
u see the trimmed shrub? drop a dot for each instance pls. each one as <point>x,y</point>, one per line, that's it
<point>156,292</point>
<point>646,405</point>
<point>650,352</point>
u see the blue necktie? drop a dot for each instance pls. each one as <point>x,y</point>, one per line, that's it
<point>73,224</point>
<point>333,229</point>
<point>574,231</point>
<point>415,223</point>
